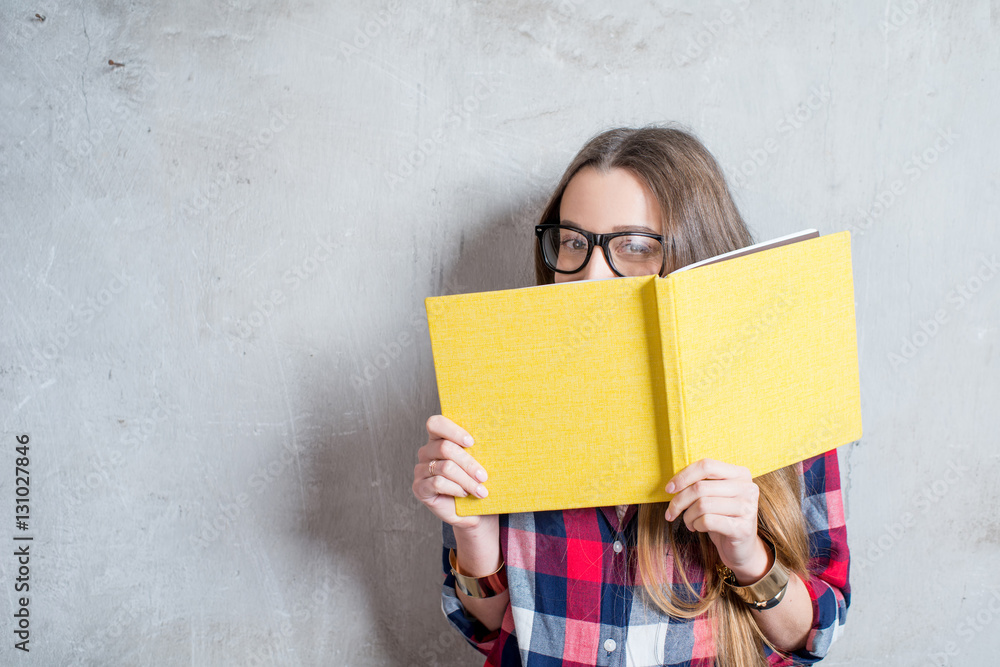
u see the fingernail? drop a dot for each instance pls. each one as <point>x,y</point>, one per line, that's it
<point>481,475</point>
<point>481,491</point>
<point>468,440</point>
<point>670,487</point>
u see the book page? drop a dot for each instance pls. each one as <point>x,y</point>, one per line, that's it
<point>757,247</point>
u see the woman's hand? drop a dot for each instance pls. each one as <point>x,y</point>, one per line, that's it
<point>445,470</point>
<point>721,499</point>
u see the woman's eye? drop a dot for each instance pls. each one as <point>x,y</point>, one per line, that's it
<point>574,244</point>
<point>636,245</point>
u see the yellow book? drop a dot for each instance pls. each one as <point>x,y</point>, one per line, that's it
<point>594,393</point>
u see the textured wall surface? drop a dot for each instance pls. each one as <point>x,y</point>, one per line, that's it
<point>214,252</point>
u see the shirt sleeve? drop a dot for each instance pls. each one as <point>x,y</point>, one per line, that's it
<point>478,636</point>
<point>829,558</point>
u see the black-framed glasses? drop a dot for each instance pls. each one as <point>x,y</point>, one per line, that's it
<point>567,249</point>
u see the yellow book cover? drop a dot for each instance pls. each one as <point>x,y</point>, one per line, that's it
<point>594,393</point>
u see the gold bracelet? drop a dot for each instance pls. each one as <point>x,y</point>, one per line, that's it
<point>767,592</point>
<point>479,587</point>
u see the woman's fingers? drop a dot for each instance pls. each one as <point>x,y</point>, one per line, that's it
<point>446,449</point>
<point>429,488</point>
<point>448,441</point>
<point>721,500</point>
<point>733,517</point>
<point>723,488</point>
<point>463,458</point>
<point>715,497</point>
<point>445,470</point>
<point>706,469</point>
<point>453,471</point>
<point>446,455</point>
<point>439,426</point>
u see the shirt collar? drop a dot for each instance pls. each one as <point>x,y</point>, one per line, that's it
<point>612,517</point>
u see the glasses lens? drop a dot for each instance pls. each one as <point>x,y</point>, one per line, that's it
<point>564,249</point>
<point>636,255</point>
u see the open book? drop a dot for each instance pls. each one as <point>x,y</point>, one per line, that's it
<point>594,393</point>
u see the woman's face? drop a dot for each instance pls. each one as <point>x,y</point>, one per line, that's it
<point>601,203</point>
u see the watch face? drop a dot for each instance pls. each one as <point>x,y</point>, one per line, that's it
<point>727,575</point>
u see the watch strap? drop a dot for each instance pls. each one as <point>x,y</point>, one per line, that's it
<point>479,587</point>
<point>765,593</point>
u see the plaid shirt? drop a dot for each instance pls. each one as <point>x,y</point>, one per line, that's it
<point>573,597</point>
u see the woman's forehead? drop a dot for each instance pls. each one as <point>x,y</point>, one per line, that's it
<point>608,201</point>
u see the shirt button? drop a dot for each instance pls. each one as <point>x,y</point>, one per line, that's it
<point>610,645</point>
<point>617,546</point>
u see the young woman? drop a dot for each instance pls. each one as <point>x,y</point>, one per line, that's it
<point>733,570</point>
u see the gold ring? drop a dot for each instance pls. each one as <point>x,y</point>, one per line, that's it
<point>430,467</point>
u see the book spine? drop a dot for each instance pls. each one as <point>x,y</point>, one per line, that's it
<point>673,376</point>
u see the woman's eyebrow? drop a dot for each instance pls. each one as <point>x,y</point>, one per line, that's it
<point>617,228</point>
<point>634,228</point>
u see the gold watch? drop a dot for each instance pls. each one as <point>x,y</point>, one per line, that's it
<point>479,587</point>
<point>767,592</point>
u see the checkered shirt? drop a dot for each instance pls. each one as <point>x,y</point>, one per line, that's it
<point>574,598</point>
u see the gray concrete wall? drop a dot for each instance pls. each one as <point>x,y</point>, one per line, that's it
<point>213,260</point>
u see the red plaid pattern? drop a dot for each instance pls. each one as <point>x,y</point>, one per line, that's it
<point>573,589</point>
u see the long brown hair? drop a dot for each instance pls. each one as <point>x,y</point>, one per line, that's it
<point>699,219</point>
